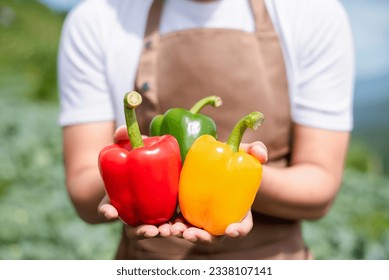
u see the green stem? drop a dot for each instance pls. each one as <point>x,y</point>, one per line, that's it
<point>252,120</point>
<point>131,101</point>
<point>215,101</point>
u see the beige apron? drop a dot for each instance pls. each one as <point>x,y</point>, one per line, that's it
<point>247,71</point>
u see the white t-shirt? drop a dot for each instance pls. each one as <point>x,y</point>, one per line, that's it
<point>102,39</point>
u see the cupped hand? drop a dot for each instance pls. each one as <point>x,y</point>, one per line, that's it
<point>109,213</point>
<point>181,228</point>
<point>148,231</point>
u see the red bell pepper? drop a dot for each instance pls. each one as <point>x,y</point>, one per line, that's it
<point>141,175</point>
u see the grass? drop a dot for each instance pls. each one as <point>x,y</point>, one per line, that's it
<point>38,220</point>
<point>357,226</point>
<point>29,42</point>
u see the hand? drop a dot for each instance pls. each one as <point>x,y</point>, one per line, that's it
<point>180,227</point>
<point>121,134</point>
<point>183,229</point>
<point>148,231</point>
<point>106,210</point>
<point>109,213</point>
<point>257,149</point>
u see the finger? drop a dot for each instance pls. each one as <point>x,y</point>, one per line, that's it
<point>120,134</point>
<point>178,228</point>
<point>141,232</point>
<point>147,231</point>
<point>198,235</point>
<point>108,211</point>
<point>258,150</point>
<point>164,230</point>
<point>242,228</point>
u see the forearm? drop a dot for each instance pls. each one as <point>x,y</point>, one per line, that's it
<point>86,190</point>
<point>303,191</point>
<point>307,188</point>
<point>82,144</point>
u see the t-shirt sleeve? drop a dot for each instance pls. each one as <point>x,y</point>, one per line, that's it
<point>83,88</point>
<point>325,76</point>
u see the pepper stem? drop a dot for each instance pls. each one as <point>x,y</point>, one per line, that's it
<point>131,101</point>
<point>252,120</point>
<point>214,101</point>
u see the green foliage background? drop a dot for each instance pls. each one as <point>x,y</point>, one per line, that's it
<point>37,220</point>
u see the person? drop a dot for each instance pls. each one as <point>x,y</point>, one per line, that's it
<point>291,60</point>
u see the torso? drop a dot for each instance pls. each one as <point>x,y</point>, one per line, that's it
<point>246,69</point>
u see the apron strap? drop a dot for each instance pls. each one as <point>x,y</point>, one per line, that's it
<point>145,81</point>
<point>263,23</point>
<point>154,17</point>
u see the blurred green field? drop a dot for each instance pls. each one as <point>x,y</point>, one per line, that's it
<point>37,218</point>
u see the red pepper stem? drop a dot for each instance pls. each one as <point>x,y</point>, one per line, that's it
<point>131,101</point>
<point>252,120</point>
<point>214,101</point>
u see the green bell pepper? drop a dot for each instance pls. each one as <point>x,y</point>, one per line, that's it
<point>186,125</point>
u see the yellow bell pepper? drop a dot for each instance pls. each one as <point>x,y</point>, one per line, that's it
<point>219,182</point>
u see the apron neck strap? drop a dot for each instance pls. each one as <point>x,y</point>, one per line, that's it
<point>145,81</point>
<point>262,19</point>
<point>154,18</point>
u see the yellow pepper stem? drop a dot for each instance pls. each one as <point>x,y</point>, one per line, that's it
<point>131,101</point>
<point>252,120</point>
